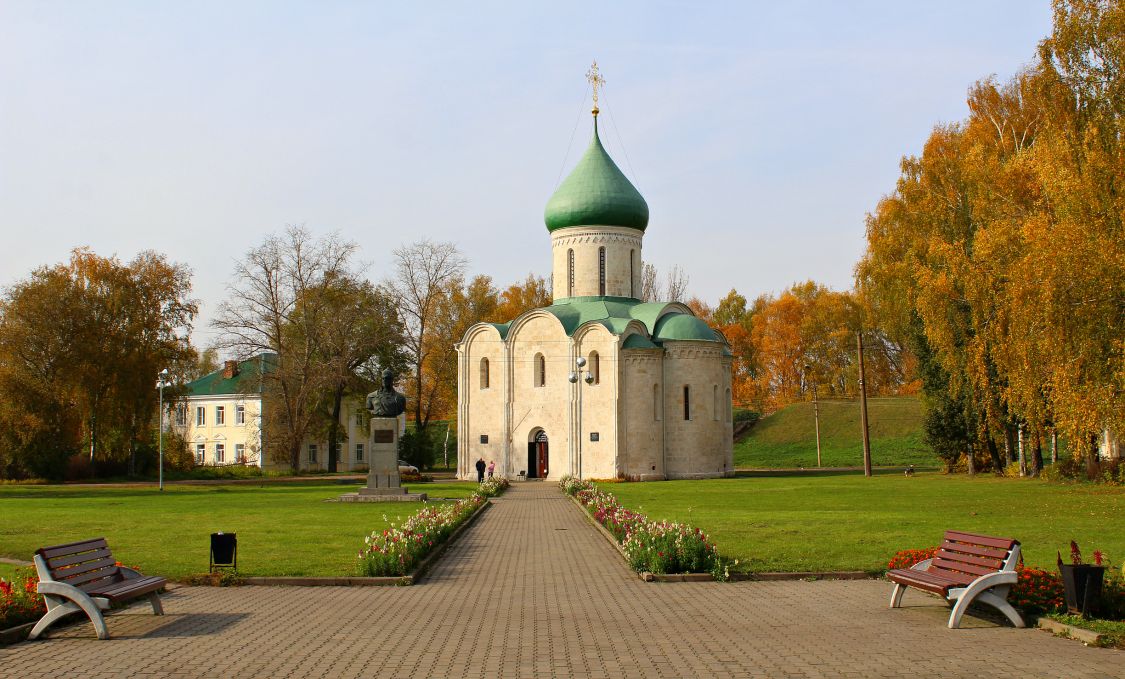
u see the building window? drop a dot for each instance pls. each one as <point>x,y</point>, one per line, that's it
<point>715,398</point>
<point>570,273</point>
<point>540,370</point>
<point>312,453</point>
<point>220,453</point>
<point>200,416</point>
<point>657,403</point>
<point>359,418</point>
<point>633,273</point>
<point>200,449</point>
<point>240,414</point>
<point>595,368</point>
<point>484,373</point>
<point>601,271</point>
<point>687,402</point>
<point>181,414</point>
<point>220,415</point>
<point>240,453</point>
<point>359,452</point>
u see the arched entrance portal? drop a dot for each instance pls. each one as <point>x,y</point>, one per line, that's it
<point>537,457</point>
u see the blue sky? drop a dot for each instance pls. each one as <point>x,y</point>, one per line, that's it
<point>759,133</point>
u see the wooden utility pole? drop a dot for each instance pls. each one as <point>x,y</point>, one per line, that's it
<point>863,408</point>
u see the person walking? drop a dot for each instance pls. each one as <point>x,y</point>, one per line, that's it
<point>480,470</point>
<point>491,468</point>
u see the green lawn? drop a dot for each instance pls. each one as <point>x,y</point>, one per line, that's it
<point>787,438</point>
<point>283,528</point>
<point>843,521</point>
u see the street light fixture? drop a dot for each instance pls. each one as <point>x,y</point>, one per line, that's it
<point>816,411</point>
<point>588,378</point>
<point>163,381</point>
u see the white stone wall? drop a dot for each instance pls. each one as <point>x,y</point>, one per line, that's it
<point>643,416</point>
<point>623,261</point>
<point>700,446</point>
<point>489,405</point>
<point>600,411</point>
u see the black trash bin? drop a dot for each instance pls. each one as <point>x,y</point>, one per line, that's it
<point>224,551</point>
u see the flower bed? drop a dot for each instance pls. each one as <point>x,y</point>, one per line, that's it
<point>19,602</point>
<point>650,546</point>
<point>397,550</point>
<point>493,486</point>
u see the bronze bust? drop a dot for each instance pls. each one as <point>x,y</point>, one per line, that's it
<point>386,402</point>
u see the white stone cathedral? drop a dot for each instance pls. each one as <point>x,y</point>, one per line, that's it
<point>653,397</point>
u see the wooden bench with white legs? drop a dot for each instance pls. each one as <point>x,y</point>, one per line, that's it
<point>84,576</point>
<point>966,568</point>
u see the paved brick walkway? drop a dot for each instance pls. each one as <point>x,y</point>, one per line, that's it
<point>533,591</point>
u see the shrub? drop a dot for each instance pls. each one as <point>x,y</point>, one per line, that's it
<point>493,486</point>
<point>908,557</point>
<point>19,601</point>
<point>649,546</point>
<point>399,549</point>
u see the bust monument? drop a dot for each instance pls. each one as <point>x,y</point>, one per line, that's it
<point>386,402</point>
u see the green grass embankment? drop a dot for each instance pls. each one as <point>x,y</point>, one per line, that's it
<point>787,439</point>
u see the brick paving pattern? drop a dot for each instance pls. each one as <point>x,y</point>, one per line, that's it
<point>531,590</point>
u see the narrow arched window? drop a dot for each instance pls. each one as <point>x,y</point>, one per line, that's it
<point>570,273</point>
<point>633,273</point>
<point>484,373</point>
<point>540,370</point>
<point>657,404</point>
<point>595,368</point>
<point>601,271</point>
<point>715,403</point>
<point>687,402</point>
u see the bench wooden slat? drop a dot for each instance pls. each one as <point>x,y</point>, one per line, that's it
<point>931,582</point>
<point>72,548</point>
<point>103,568</point>
<point>989,563</point>
<point>976,550</point>
<point>130,589</point>
<point>985,540</point>
<point>70,560</point>
<point>961,567</point>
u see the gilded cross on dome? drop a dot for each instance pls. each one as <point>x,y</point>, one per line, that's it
<point>596,81</point>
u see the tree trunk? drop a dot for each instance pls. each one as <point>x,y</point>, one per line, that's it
<point>334,428</point>
<point>1093,469</point>
<point>1037,455</point>
<point>994,453</point>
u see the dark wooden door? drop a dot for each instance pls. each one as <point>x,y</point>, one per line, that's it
<point>542,455</point>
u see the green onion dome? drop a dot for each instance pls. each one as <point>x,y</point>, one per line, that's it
<point>596,193</point>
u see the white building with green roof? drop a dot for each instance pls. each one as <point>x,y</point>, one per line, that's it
<point>653,400</point>
<point>220,418</point>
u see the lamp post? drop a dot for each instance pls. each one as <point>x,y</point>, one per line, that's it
<point>588,378</point>
<point>160,384</point>
<point>816,413</point>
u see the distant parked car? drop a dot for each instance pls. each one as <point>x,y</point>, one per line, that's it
<point>406,468</point>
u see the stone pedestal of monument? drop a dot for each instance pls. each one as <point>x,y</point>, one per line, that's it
<point>382,475</point>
